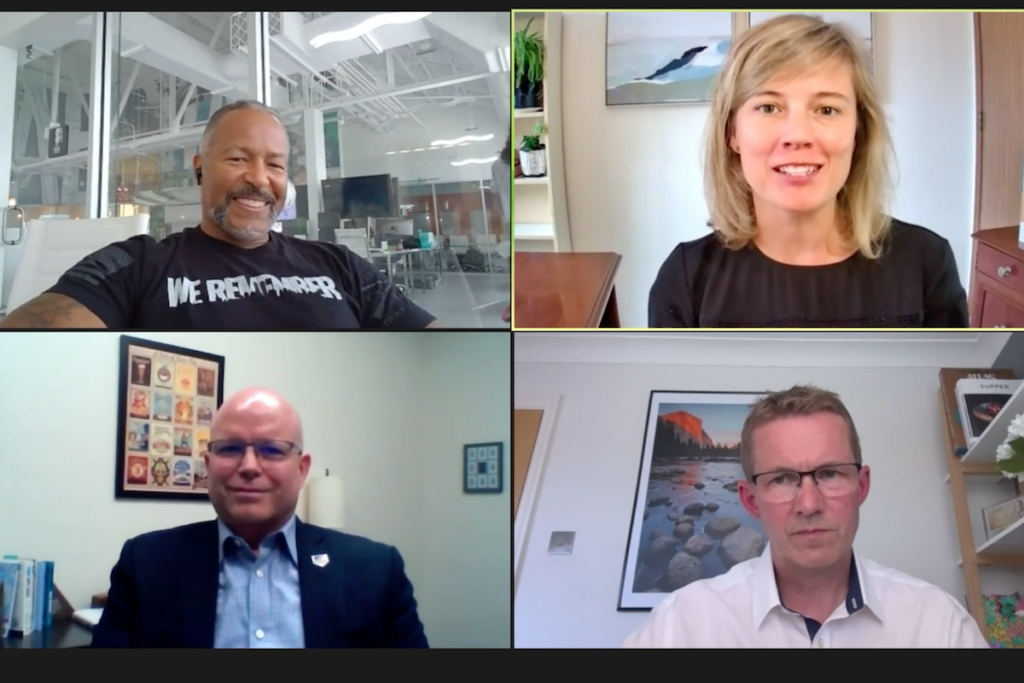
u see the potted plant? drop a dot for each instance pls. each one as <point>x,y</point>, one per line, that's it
<point>529,68</point>
<point>532,154</point>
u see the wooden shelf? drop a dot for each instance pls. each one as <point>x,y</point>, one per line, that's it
<point>533,231</point>
<point>984,451</point>
<point>1005,549</point>
<point>534,113</point>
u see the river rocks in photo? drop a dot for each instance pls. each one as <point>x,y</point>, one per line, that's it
<point>682,569</point>
<point>699,546</point>
<point>698,486</point>
<point>711,507</point>
<point>647,513</point>
<point>739,546</point>
<point>657,500</point>
<point>720,527</point>
<point>683,530</point>
<point>731,486</point>
<point>656,534</point>
<point>660,550</point>
<point>694,509</point>
<point>674,516</point>
<point>686,518</point>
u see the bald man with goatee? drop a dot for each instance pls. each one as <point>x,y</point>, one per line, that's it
<point>257,576</point>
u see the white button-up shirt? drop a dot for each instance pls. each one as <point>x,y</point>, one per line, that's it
<point>884,608</point>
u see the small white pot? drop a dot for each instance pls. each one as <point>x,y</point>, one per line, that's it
<point>534,163</point>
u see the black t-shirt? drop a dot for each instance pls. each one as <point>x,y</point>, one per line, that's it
<point>913,284</point>
<point>190,280</point>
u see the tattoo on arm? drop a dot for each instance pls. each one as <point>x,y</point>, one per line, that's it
<point>51,311</point>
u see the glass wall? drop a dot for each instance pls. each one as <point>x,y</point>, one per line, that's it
<point>171,72</point>
<point>45,88</point>
<point>413,115</point>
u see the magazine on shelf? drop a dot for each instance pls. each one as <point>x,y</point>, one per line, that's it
<point>948,377</point>
<point>980,402</point>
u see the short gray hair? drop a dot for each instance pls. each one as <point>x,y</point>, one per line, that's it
<point>211,125</point>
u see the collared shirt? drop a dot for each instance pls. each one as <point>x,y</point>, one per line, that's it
<point>884,608</point>
<point>258,601</point>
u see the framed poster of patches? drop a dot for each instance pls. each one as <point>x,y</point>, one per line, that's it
<point>664,57</point>
<point>166,400</point>
<point>687,522</point>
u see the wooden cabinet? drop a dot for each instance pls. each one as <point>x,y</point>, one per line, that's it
<point>997,296</point>
<point>997,277</point>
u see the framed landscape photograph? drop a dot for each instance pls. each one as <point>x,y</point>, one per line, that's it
<point>688,523</point>
<point>166,401</point>
<point>664,57</point>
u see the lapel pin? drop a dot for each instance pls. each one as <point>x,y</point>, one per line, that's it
<point>321,560</point>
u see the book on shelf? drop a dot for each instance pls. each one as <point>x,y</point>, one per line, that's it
<point>9,570</point>
<point>980,401</point>
<point>29,586</point>
<point>948,377</point>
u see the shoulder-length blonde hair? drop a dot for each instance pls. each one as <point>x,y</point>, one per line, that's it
<point>794,44</point>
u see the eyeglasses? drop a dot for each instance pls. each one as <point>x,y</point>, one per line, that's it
<point>270,450</point>
<point>833,481</point>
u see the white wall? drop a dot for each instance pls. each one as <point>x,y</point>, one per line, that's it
<point>590,478</point>
<point>365,403</point>
<point>633,174</point>
<point>467,558</point>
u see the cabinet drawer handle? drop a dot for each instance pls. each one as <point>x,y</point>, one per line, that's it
<point>1005,271</point>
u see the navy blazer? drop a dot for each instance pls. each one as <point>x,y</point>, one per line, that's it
<point>163,591</point>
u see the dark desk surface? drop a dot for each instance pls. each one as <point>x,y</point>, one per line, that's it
<point>61,635</point>
<point>571,289</point>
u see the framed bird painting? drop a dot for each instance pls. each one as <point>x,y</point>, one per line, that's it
<point>664,57</point>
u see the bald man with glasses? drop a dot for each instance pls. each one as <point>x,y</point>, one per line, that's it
<point>805,482</point>
<point>257,576</point>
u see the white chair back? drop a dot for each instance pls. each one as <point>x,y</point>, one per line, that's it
<point>53,246</point>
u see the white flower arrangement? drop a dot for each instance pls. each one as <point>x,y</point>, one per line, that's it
<point>1010,453</point>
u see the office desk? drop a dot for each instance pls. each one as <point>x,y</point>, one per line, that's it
<point>405,254</point>
<point>66,634</point>
<point>565,289</point>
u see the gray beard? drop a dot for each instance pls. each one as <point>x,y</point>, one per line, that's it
<point>219,214</point>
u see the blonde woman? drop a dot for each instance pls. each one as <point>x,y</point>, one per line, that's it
<point>797,181</point>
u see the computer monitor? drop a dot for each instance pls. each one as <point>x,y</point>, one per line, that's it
<point>302,201</point>
<point>332,194</point>
<point>367,197</point>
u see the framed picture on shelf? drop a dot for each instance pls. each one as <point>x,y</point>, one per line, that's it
<point>687,521</point>
<point>999,517</point>
<point>166,400</point>
<point>664,57</point>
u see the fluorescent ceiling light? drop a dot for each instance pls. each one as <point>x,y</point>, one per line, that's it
<point>464,138</point>
<point>365,27</point>
<point>489,160</point>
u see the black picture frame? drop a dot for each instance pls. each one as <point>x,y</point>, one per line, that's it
<point>675,496</point>
<point>493,459</point>
<point>142,387</point>
<point>57,142</point>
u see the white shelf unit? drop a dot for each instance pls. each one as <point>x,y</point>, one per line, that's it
<point>542,201</point>
<point>1005,549</point>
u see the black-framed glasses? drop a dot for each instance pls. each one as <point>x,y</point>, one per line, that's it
<point>832,480</point>
<point>271,450</point>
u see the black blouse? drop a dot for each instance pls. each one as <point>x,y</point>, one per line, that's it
<point>913,284</point>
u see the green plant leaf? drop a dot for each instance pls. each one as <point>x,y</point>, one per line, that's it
<point>1018,445</point>
<point>1014,465</point>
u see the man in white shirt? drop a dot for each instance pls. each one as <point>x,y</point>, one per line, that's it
<point>804,480</point>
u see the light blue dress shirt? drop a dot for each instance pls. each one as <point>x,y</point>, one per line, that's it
<point>258,599</point>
